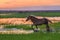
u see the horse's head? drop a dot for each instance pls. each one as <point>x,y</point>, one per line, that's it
<point>29,17</point>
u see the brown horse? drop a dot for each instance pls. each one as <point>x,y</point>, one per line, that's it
<point>37,22</point>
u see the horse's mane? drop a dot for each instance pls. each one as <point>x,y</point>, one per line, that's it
<point>33,16</point>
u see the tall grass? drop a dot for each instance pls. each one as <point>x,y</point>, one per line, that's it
<point>19,15</point>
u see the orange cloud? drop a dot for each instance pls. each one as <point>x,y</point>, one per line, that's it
<point>24,3</point>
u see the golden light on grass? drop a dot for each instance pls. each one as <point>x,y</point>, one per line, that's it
<point>18,21</point>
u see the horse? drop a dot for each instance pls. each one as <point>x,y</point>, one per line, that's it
<point>37,22</point>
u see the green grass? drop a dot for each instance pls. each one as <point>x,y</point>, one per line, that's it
<point>34,36</point>
<point>28,27</point>
<point>25,14</point>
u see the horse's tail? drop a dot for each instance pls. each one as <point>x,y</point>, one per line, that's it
<point>48,20</point>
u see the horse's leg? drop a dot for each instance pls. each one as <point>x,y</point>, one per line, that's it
<point>47,28</point>
<point>36,27</point>
<point>32,26</point>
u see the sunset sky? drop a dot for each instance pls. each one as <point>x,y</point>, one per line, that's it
<point>11,4</point>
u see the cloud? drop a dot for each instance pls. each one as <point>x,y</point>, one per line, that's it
<point>25,3</point>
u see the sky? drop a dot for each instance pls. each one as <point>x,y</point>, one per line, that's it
<point>27,4</point>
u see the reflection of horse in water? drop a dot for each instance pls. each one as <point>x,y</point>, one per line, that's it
<point>37,22</point>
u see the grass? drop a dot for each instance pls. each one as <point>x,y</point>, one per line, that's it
<point>28,27</point>
<point>23,15</point>
<point>36,35</point>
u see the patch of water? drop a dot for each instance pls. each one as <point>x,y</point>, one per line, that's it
<point>15,31</point>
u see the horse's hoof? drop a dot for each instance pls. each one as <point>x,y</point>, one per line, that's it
<point>36,30</point>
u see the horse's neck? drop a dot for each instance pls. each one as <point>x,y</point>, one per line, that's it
<point>34,19</point>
